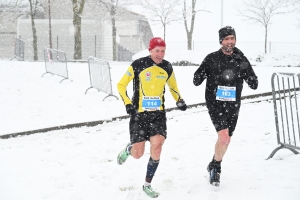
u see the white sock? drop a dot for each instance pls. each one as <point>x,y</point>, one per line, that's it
<point>147,184</point>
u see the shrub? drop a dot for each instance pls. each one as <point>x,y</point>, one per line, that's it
<point>184,63</point>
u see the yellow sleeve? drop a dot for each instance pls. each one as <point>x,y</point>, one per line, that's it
<point>122,85</point>
<point>173,87</point>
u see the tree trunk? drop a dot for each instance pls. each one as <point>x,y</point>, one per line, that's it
<point>190,39</point>
<point>113,11</point>
<point>77,37</point>
<point>50,31</point>
<point>77,12</point>
<point>165,32</point>
<point>114,36</point>
<point>266,37</point>
<point>35,57</point>
<point>34,43</point>
<point>189,34</point>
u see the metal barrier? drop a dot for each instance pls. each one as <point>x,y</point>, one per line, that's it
<point>56,63</point>
<point>19,49</point>
<point>100,77</point>
<point>285,90</point>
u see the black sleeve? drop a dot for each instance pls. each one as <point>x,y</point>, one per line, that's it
<point>248,74</point>
<point>201,73</point>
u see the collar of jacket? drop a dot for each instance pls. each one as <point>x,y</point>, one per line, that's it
<point>237,53</point>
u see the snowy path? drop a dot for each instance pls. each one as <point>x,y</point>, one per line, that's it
<point>80,163</point>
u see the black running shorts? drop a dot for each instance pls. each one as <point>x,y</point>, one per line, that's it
<point>224,115</point>
<point>146,124</point>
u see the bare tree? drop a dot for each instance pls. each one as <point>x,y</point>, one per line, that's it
<point>3,3</point>
<point>163,11</point>
<point>78,6</point>
<point>115,10</point>
<point>112,7</point>
<point>50,29</point>
<point>31,8</point>
<point>262,12</point>
<point>8,12</point>
<point>296,5</point>
<point>190,12</point>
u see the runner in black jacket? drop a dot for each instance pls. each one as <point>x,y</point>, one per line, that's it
<point>225,71</point>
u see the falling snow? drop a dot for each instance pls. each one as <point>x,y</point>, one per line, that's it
<point>80,163</point>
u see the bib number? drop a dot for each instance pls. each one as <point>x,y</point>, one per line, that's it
<point>151,103</point>
<point>225,93</point>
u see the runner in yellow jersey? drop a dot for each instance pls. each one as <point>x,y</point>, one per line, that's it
<point>149,74</point>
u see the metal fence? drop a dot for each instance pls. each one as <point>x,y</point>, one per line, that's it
<point>56,63</point>
<point>100,77</point>
<point>98,46</point>
<point>285,90</point>
<point>19,49</point>
<point>92,45</point>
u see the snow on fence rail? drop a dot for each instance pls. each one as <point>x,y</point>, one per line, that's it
<point>56,63</point>
<point>100,77</point>
<point>285,91</point>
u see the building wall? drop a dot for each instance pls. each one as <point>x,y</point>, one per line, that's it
<point>128,28</point>
<point>129,25</point>
<point>96,31</point>
<point>95,40</point>
<point>8,33</point>
<point>8,25</point>
<point>7,46</point>
<point>134,34</point>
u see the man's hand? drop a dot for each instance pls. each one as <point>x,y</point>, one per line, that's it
<point>252,82</point>
<point>130,109</point>
<point>181,104</point>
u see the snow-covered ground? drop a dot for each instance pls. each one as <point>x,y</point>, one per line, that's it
<point>80,163</point>
<point>32,102</point>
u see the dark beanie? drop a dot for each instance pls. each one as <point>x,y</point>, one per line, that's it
<point>224,32</point>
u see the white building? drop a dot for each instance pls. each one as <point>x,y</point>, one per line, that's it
<point>133,31</point>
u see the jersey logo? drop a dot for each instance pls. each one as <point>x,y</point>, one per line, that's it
<point>128,73</point>
<point>148,76</point>
<point>161,77</point>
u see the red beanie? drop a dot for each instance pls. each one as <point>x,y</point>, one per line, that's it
<point>156,42</point>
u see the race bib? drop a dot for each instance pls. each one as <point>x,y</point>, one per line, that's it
<point>151,103</point>
<point>225,93</point>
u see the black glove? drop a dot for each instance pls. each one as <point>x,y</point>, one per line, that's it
<point>181,105</point>
<point>130,109</point>
<point>252,82</point>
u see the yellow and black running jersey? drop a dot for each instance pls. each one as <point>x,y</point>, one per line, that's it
<point>149,80</point>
